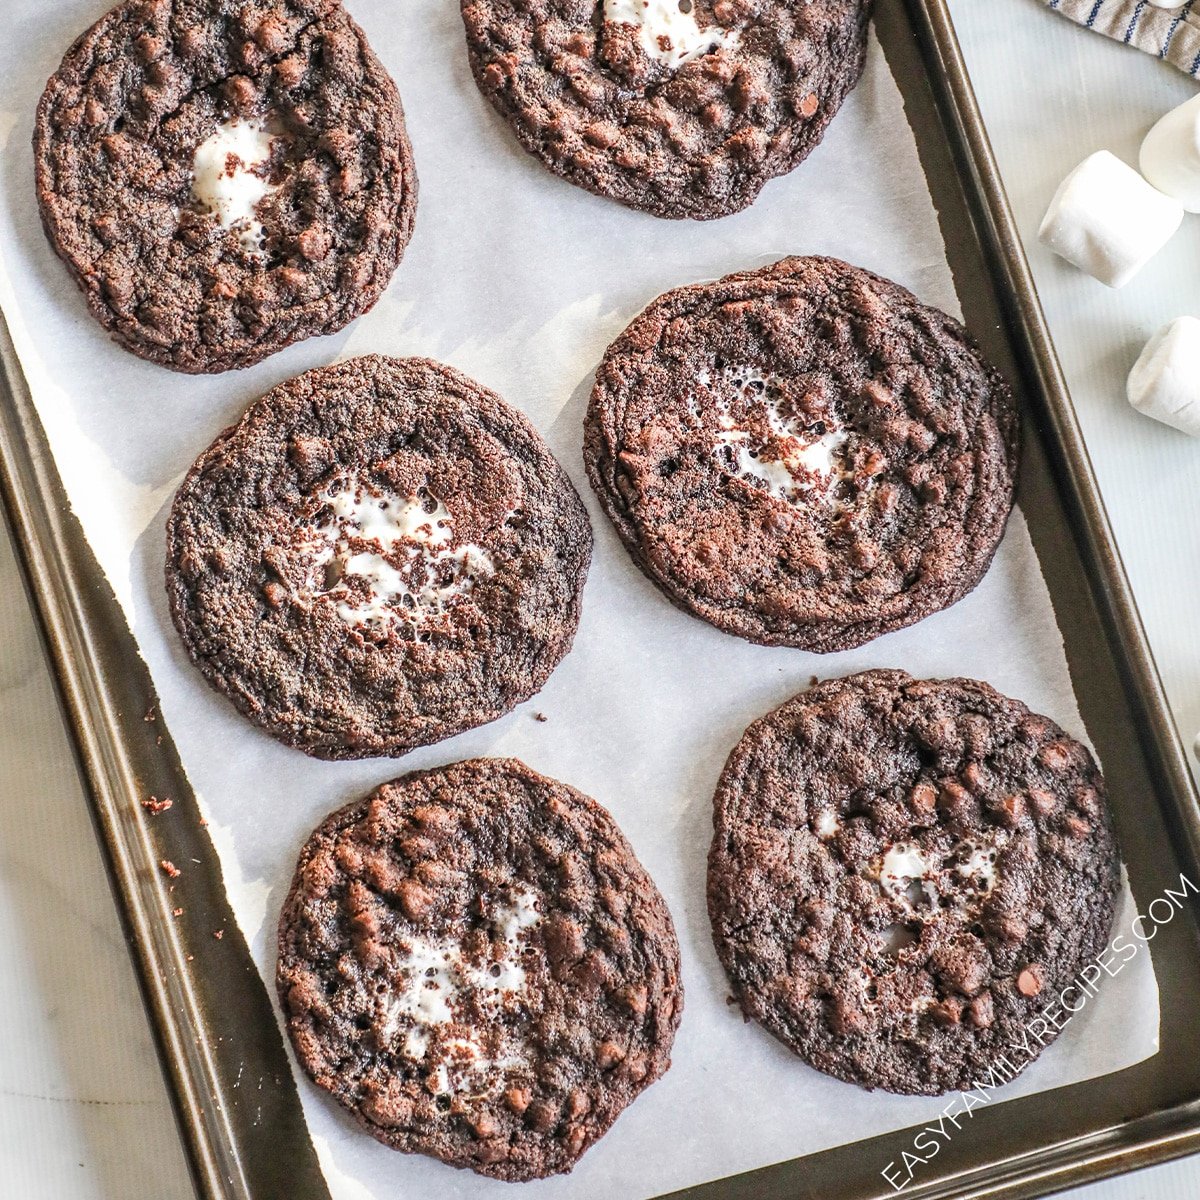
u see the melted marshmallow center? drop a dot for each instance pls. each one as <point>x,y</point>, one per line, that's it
<point>432,978</point>
<point>667,33</point>
<point>384,558</point>
<point>229,178</point>
<point>915,878</point>
<point>773,451</point>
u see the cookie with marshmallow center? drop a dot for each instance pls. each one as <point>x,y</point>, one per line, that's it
<point>681,108</point>
<point>905,873</point>
<point>803,455</point>
<point>379,555</point>
<point>223,179</point>
<point>473,962</point>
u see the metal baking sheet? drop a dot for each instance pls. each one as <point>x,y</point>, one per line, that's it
<point>205,1030</point>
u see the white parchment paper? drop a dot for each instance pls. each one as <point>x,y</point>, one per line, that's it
<point>521,281</point>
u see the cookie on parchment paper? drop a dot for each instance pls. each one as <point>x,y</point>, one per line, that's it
<point>379,555</point>
<point>803,455</point>
<point>473,962</point>
<point>904,873</point>
<point>224,178</point>
<point>682,108</point>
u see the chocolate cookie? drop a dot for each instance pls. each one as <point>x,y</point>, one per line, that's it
<point>474,963</point>
<point>224,177</point>
<point>904,873</point>
<point>682,108</point>
<point>803,455</point>
<point>380,554</point>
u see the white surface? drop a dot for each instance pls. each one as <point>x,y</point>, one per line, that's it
<point>39,1149</point>
<point>1105,219</point>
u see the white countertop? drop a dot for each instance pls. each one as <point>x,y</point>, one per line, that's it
<point>83,1110</point>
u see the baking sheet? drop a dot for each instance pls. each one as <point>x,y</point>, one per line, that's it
<point>522,281</point>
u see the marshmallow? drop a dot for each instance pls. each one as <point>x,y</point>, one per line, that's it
<point>1165,380</point>
<point>1107,220</point>
<point>1170,157</point>
<point>227,179</point>
<point>668,33</point>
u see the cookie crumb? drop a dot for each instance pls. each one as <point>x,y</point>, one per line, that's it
<point>218,934</point>
<point>177,912</point>
<point>538,716</point>
<point>149,714</point>
<point>169,868</point>
<point>156,804</point>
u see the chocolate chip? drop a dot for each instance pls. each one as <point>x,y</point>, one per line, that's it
<point>1054,756</point>
<point>981,1011</point>
<point>923,798</point>
<point>1010,809</point>
<point>608,1054</point>
<point>1029,981</point>
<point>947,1011</point>
<point>1044,802</point>
<point>1078,827</point>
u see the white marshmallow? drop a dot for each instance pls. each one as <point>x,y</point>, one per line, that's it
<point>1107,220</point>
<point>362,513</point>
<point>1170,156</point>
<point>666,32</point>
<point>792,465</point>
<point>226,179</point>
<point>827,823</point>
<point>1165,380</point>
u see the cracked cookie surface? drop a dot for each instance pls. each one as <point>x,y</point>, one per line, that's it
<point>904,873</point>
<point>224,179</point>
<point>682,108</point>
<point>380,554</point>
<point>474,963</point>
<point>803,455</point>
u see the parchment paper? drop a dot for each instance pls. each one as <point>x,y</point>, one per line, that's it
<point>521,281</point>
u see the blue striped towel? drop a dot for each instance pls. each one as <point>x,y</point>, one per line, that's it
<point>1170,33</point>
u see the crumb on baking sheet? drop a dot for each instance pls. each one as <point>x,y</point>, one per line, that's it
<point>169,868</point>
<point>157,804</point>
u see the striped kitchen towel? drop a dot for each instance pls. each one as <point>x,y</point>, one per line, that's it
<point>1170,33</point>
